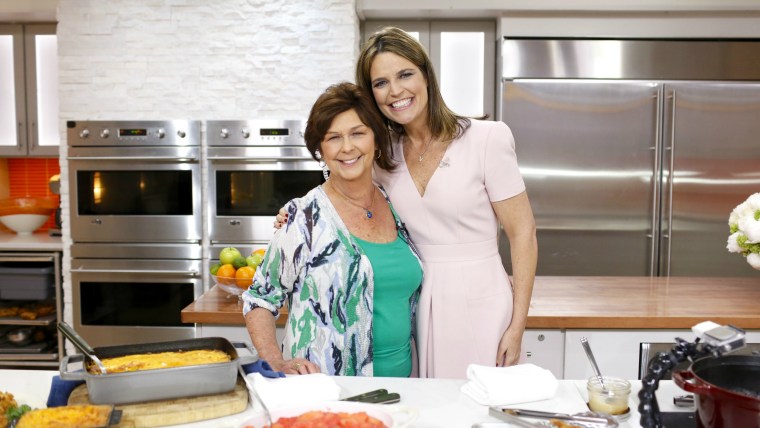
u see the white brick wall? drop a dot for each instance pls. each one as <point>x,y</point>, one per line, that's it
<point>197,59</point>
<point>201,59</point>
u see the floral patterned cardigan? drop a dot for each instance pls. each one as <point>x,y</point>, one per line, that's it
<point>314,263</point>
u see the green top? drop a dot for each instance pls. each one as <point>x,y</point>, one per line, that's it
<point>397,274</point>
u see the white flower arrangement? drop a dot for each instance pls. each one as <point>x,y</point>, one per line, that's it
<point>744,222</point>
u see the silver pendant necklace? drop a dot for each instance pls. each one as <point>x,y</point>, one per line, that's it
<point>427,146</point>
<point>367,210</point>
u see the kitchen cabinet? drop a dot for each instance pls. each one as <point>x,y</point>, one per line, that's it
<point>617,352</point>
<point>29,72</point>
<point>544,348</point>
<point>30,290</point>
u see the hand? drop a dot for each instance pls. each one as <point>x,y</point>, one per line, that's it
<point>508,353</point>
<point>281,218</point>
<point>295,366</point>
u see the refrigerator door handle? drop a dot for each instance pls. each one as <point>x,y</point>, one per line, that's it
<point>657,172</point>
<point>671,148</point>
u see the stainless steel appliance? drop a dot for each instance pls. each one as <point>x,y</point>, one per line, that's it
<point>254,167</point>
<point>135,181</point>
<point>136,227</point>
<point>634,152</point>
<point>126,293</point>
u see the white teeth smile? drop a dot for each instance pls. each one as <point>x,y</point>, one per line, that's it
<point>350,161</point>
<point>402,103</point>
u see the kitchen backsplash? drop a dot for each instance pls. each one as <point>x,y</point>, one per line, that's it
<point>29,177</point>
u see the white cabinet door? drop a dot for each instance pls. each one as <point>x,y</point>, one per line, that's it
<point>544,348</point>
<point>617,352</point>
<point>29,120</point>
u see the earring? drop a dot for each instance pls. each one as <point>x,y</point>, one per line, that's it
<point>323,165</point>
<point>379,154</point>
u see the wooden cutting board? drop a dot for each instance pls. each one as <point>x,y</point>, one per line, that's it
<point>173,412</point>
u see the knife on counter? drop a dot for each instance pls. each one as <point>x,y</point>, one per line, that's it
<point>378,396</point>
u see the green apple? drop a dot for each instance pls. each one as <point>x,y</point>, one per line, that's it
<point>228,255</point>
<point>254,260</point>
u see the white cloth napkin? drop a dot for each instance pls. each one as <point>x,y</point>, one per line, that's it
<point>503,386</point>
<point>292,391</point>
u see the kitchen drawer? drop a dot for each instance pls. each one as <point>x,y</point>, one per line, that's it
<point>26,281</point>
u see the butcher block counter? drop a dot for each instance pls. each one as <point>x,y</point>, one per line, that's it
<point>216,306</point>
<point>580,302</point>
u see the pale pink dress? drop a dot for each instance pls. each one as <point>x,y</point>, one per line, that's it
<point>466,301</point>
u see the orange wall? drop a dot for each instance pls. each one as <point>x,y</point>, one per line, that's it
<point>29,177</point>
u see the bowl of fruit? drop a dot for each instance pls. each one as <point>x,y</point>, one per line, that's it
<point>234,272</point>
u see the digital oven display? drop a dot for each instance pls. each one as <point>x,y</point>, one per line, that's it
<point>268,132</point>
<point>133,132</point>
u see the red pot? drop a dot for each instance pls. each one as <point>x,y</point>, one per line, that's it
<point>727,390</point>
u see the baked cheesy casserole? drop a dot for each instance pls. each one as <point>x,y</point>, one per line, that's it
<point>7,401</point>
<point>161,360</point>
<point>77,416</point>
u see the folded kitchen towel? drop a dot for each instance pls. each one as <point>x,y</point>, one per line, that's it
<point>291,391</point>
<point>60,390</point>
<point>263,367</point>
<point>503,386</point>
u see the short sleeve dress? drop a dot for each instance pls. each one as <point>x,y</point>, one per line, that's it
<point>466,300</point>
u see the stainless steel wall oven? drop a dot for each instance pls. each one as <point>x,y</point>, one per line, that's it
<point>254,168</point>
<point>136,227</point>
<point>135,181</point>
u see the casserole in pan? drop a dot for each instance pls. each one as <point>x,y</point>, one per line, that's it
<point>164,383</point>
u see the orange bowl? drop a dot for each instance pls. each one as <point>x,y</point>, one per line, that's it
<point>27,205</point>
<point>23,224</point>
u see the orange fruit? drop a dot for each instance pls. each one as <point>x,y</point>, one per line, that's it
<point>261,251</point>
<point>226,274</point>
<point>244,276</point>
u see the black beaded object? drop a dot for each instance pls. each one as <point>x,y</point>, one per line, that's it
<point>660,365</point>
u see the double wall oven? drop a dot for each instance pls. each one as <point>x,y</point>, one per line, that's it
<point>254,167</point>
<point>136,226</point>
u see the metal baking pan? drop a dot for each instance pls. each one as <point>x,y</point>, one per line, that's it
<point>160,384</point>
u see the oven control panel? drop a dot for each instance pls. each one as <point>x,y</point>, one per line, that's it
<point>225,133</point>
<point>133,133</point>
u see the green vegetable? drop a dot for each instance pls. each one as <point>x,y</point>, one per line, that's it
<point>15,412</point>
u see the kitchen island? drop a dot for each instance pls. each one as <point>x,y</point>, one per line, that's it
<point>617,314</point>
<point>437,402</point>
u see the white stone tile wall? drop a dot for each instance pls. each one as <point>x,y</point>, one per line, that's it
<point>196,59</point>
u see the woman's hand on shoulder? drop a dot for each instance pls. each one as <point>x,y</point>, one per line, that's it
<point>281,218</point>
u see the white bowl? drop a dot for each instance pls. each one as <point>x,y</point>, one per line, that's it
<point>24,224</point>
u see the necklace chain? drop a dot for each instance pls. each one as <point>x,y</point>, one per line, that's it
<point>366,209</point>
<point>427,146</point>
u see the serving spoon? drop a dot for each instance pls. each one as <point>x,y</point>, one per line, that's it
<point>81,344</point>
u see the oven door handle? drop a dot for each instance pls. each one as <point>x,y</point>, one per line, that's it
<point>141,158</point>
<point>190,273</point>
<point>260,159</point>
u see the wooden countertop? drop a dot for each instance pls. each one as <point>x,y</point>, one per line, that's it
<point>216,306</point>
<point>577,302</point>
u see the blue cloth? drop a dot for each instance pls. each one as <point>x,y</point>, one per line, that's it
<point>263,368</point>
<point>60,390</point>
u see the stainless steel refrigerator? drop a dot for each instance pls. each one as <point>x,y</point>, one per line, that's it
<point>634,152</point>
